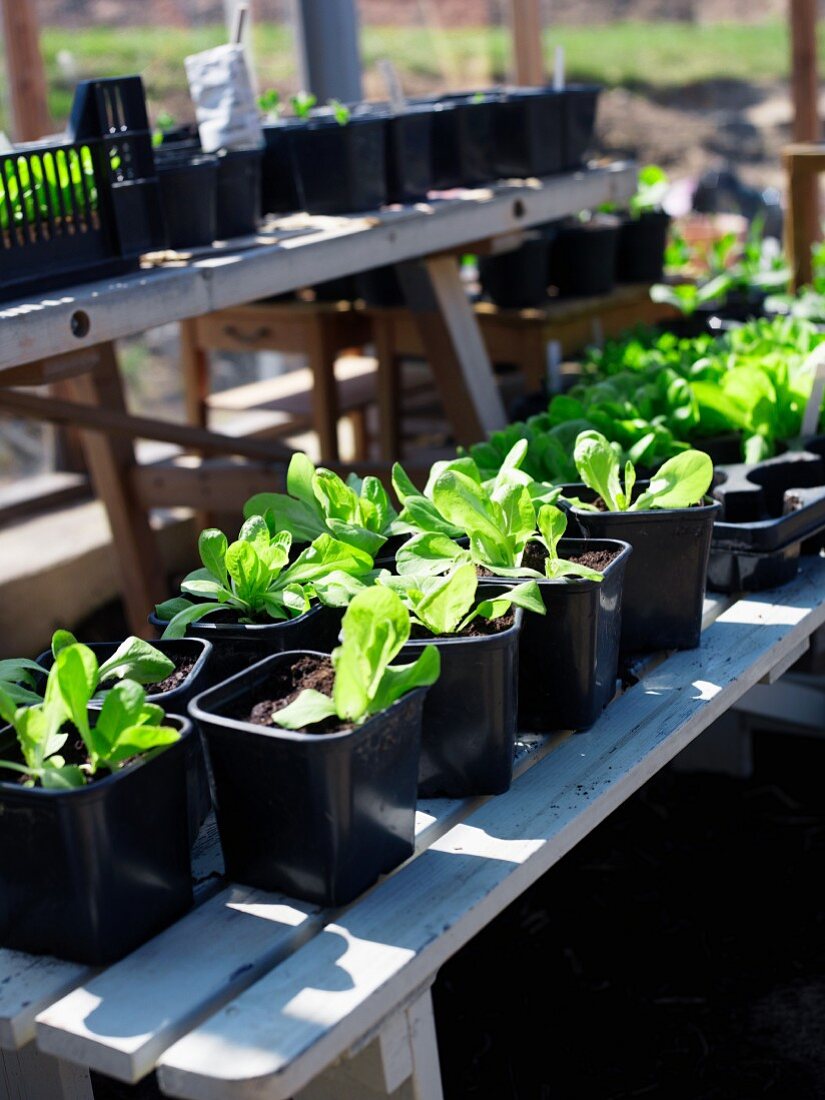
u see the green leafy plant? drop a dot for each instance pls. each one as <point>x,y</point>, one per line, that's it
<point>681,482</point>
<point>552,524</point>
<point>269,104</point>
<point>678,252</point>
<point>47,186</point>
<point>302,103</point>
<point>340,111</point>
<point>134,659</point>
<point>687,297</point>
<point>252,577</point>
<point>651,190</point>
<point>163,124</point>
<point>125,727</point>
<point>375,628</point>
<point>446,605</point>
<point>317,502</point>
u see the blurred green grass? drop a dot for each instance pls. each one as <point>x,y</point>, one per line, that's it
<point>639,55</point>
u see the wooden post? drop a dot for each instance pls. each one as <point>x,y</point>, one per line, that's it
<point>803,201</point>
<point>25,72</point>
<point>525,21</point>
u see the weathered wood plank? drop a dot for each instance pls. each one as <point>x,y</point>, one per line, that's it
<point>121,307</point>
<point>29,983</point>
<point>284,1030</point>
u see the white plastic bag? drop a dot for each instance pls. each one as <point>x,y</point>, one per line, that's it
<point>225,107</point>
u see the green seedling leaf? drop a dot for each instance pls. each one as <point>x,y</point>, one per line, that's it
<point>136,659</point>
<point>400,679</point>
<point>429,555</point>
<point>212,547</point>
<point>375,627</point>
<point>598,467</point>
<point>680,483</point>
<point>310,707</point>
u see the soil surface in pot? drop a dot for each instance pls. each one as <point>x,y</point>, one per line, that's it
<point>478,628</point>
<point>535,556</point>
<point>182,669</point>
<point>284,686</point>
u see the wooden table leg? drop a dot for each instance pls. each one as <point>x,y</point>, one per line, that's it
<point>388,395</point>
<point>194,361</point>
<point>322,352</point>
<point>26,1074</point>
<point>110,459</point>
<point>454,346</point>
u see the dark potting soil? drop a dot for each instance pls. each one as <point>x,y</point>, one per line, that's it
<point>285,684</point>
<point>173,680</point>
<point>182,669</point>
<point>535,556</point>
<point>478,628</point>
<point>675,954</point>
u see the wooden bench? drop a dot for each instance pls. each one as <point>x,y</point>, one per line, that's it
<point>256,995</point>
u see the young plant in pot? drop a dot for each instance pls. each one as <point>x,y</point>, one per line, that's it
<point>104,793</point>
<point>640,255</point>
<point>668,522</point>
<point>357,511</point>
<point>470,715</point>
<point>339,160</point>
<point>172,672</point>
<point>256,600</point>
<point>568,661</point>
<point>315,759</point>
<point>279,184</point>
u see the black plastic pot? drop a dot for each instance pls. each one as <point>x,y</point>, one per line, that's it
<point>640,255</point>
<point>470,718</point>
<point>175,702</point>
<point>238,645</point>
<point>569,658</point>
<point>409,154</point>
<point>583,258</point>
<point>580,105</point>
<point>665,584</point>
<point>769,511</point>
<point>189,197</point>
<point>340,169</point>
<point>92,873</point>
<point>279,188</point>
<point>464,141</point>
<point>239,193</point>
<point>380,287</point>
<point>529,133</point>
<point>517,279</point>
<point>318,816</point>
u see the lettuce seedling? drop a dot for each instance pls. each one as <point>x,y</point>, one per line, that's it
<point>681,482</point>
<point>252,577</point>
<point>19,679</point>
<point>269,104</point>
<point>446,605</point>
<point>340,111</point>
<point>553,524</point>
<point>302,103</point>
<point>317,502</point>
<point>375,628</point>
<point>126,725</point>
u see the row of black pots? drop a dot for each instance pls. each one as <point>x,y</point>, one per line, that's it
<point>118,866</point>
<point>432,144</point>
<point>578,259</point>
<point>207,197</point>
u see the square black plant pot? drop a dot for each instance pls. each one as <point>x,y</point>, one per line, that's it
<point>463,140</point>
<point>236,645</point>
<point>317,816</point>
<point>470,713</point>
<point>189,197</point>
<point>529,133</point>
<point>580,105</point>
<point>175,701</point>
<point>340,169</point>
<point>666,579</point>
<point>90,874</point>
<point>279,186</point>
<point>569,658</point>
<point>640,251</point>
<point>409,154</point>
<point>238,193</point>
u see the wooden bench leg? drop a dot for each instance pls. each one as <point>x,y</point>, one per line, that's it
<point>322,352</point>
<point>27,1074</point>
<point>388,387</point>
<point>194,361</point>
<point>111,459</point>
<point>454,346</point>
<point>400,1063</point>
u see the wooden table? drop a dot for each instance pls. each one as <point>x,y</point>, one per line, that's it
<point>68,336</point>
<point>254,995</point>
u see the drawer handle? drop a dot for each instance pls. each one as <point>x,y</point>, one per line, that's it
<point>247,337</point>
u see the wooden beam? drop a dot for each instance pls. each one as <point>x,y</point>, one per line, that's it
<point>803,186</point>
<point>528,56</point>
<point>116,421</point>
<point>24,71</point>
